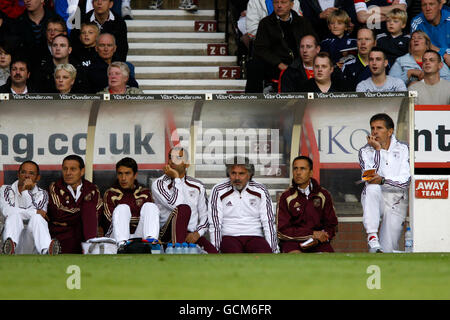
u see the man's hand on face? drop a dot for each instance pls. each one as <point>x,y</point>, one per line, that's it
<point>168,170</point>
<point>28,184</point>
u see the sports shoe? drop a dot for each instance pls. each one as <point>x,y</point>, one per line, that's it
<point>155,4</point>
<point>126,13</point>
<point>9,247</point>
<point>54,248</point>
<point>121,246</point>
<point>374,245</point>
<point>188,5</point>
<point>152,240</point>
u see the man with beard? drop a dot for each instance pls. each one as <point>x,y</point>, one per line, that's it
<point>240,212</point>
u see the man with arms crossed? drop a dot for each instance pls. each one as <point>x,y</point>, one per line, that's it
<point>385,194</point>
<point>240,212</point>
<point>306,220</point>
<point>182,203</point>
<point>74,207</point>
<point>129,211</point>
<point>24,200</point>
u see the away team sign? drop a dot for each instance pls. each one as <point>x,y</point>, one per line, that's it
<point>431,189</point>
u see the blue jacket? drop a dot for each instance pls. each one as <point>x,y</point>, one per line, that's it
<point>440,34</point>
<point>407,62</point>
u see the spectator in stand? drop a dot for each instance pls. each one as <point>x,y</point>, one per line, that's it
<point>318,12</point>
<point>306,219</point>
<point>372,13</point>
<point>108,22</point>
<point>5,62</point>
<point>98,70</point>
<point>322,81</point>
<point>55,26</point>
<point>12,8</point>
<point>379,81</point>
<point>256,11</point>
<point>29,29</point>
<point>356,70</point>
<point>409,67</point>
<point>435,22</point>
<point>118,75</point>
<point>84,48</point>
<point>276,45</point>
<point>65,76</point>
<point>432,89</point>
<point>339,24</point>
<point>18,80</point>
<point>395,42</point>
<point>294,77</point>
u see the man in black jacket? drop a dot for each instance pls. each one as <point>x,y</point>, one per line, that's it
<point>276,44</point>
<point>17,83</point>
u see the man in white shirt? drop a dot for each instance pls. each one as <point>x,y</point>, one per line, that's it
<point>385,194</point>
<point>432,89</point>
<point>379,81</point>
<point>240,212</point>
<point>182,203</point>
<point>22,202</point>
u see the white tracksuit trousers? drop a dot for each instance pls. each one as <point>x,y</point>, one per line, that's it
<point>148,225</point>
<point>384,213</point>
<point>37,228</point>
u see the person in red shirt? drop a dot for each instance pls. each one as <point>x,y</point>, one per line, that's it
<point>74,206</point>
<point>306,220</point>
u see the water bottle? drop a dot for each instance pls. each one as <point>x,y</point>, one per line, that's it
<point>184,248</point>
<point>408,240</point>
<point>178,249</point>
<point>156,248</point>
<point>192,248</point>
<point>169,249</point>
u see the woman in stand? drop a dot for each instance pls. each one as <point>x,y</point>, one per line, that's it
<point>409,66</point>
<point>118,74</point>
<point>65,75</point>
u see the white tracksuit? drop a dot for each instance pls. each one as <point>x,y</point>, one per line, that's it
<point>168,194</point>
<point>245,213</point>
<point>388,202</point>
<point>17,208</point>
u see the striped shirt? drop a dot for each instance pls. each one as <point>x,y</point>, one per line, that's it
<point>168,193</point>
<point>245,213</point>
<point>392,164</point>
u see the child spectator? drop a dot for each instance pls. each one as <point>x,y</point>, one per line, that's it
<point>84,50</point>
<point>339,24</point>
<point>395,42</point>
<point>5,61</point>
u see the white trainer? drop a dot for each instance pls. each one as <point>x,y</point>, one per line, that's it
<point>374,244</point>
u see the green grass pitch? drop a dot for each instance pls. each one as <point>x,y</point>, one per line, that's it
<point>227,277</point>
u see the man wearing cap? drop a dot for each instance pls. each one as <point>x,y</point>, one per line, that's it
<point>240,212</point>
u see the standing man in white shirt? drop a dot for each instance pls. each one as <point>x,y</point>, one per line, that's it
<point>25,201</point>
<point>240,212</point>
<point>385,195</point>
<point>182,203</point>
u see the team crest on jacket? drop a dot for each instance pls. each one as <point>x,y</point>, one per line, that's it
<point>139,202</point>
<point>192,193</point>
<point>252,202</point>
<point>316,202</point>
<point>297,206</point>
<point>88,197</point>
